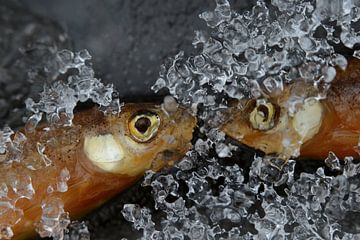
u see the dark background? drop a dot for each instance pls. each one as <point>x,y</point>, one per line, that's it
<point>128,39</point>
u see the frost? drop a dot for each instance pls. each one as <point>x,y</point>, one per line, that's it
<point>69,80</point>
<point>256,54</point>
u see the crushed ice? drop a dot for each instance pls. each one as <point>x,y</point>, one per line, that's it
<point>255,52</point>
<point>250,54</point>
<point>226,202</point>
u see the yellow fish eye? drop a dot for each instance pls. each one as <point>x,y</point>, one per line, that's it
<point>144,125</point>
<point>262,117</point>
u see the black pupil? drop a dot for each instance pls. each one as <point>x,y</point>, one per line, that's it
<point>264,111</point>
<point>142,124</point>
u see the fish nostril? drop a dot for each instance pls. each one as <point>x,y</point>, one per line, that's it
<point>168,154</point>
<point>164,158</point>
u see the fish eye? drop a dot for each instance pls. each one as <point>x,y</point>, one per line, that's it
<point>262,117</point>
<point>144,125</point>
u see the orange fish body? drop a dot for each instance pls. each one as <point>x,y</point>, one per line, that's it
<point>84,165</point>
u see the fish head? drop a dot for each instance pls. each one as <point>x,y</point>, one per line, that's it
<point>277,124</point>
<point>140,137</point>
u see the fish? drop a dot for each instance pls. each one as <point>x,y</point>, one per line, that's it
<point>81,166</point>
<point>295,123</point>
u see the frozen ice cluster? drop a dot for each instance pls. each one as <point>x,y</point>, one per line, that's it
<point>61,95</point>
<point>28,43</point>
<point>211,194</point>
<point>205,199</point>
<point>256,52</point>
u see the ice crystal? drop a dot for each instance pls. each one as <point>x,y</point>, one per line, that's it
<point>62,181</point>
<point>54,219</point>
<point>22,186</point>
<point>333,162</point>
<point>312,205</point>
<point>60,97</point>
<point>253,52</point>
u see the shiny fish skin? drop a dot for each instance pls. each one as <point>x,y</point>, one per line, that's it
<point>338,129</point>
<point>90,185</point>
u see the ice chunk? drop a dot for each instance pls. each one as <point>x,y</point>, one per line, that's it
<point>62,181</point>
<point>141,218</point>
<point>5,135</point>
<point>333,162</point>
<point>3,190</point>
<point>9,213</point>
<point>170,105</point>
<point>41,151</point>
<point>22,186</point>
<point>202,147</point>
<point>357,54</point>
<point>223,150</point>
<point>61,95</point>
<point>329,74</point>
<point>54,220</point>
